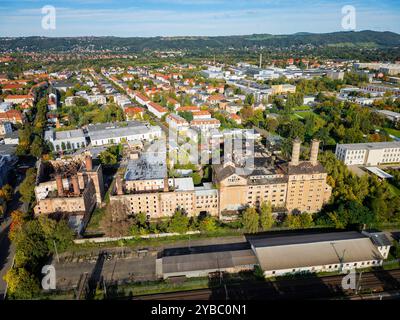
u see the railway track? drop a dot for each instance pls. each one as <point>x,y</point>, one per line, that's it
<point>300,288</point>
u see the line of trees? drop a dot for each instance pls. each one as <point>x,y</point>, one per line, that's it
<point>35,241</point>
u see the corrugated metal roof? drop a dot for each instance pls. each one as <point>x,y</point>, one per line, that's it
<point>289,252</point>
<point>208,261</point>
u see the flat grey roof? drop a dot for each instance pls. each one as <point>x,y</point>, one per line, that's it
<point>208,261</point>
<point>147,167</point>
<point>389,113</point>
<point>379,172</point>
<point>65,135</point>
<point>184,184</point>
<point>287,252</point>
<point>371,145</point>
<point>117,129</point>
<point>206,190</point>
<point>283,240</point>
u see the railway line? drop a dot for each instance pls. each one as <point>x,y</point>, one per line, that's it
<point>328,287</point>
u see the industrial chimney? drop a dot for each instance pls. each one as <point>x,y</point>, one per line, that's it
<point>314,152</point>
<point>296,152</point>
<point>166,186</point>
<point>89,163</point>
<point>75,185</point>
<point>118,184</point>
<point>60,187</point>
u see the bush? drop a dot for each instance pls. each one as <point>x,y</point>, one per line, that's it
<point>21,284</point>
<point>208,224</point>
<point>179,222</point>
<point>250,220</point>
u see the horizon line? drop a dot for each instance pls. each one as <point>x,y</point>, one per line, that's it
<point>304,33</point>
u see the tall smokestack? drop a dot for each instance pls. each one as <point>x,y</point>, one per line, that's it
<point>314,152</point>
<point>75,185</point>
<point>166,186</point>
<point>89,163</point>
<point>60,187</point>
<point>296,152</point>
<point>118,184</point>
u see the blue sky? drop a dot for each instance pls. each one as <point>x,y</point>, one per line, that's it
<point>193,17</point>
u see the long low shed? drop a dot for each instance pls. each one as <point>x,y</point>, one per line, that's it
<point>201,264</point>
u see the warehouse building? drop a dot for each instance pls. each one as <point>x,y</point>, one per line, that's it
<point>201,261</point>
<point>280,254</point>
<point>118,132</point>
<point>324,252</point>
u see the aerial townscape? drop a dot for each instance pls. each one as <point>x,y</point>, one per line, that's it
<point>248,167</point>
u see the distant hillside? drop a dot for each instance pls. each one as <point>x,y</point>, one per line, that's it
<point>137,44</point>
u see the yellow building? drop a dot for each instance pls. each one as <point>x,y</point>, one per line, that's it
<point>283,88</point>
<point>298,185</point>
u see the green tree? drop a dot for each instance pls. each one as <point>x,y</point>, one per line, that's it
<point>266,218</point>
<point>57,232</point>
<point>37,147</point>
<point>25,138</point>
<point>6,192</point>
<point>196,178</point>
<point>141,219</point>
<point>31,246</point>
<point>107,158</point>
<point>21,284</point>
<point>250,220</point>
<point>27,187</point>
<point>298,220</point>
<point>179,222</point>
<point>208,224</point>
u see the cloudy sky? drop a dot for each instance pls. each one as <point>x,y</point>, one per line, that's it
<point>193,17</point>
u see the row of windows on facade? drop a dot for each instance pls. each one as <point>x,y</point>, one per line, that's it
<point>336,266</point>
<point>310,190</point>
<point>267,191</point>
<point>69,146</point>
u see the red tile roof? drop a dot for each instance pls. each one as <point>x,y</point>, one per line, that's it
<point>157,107</point>
<point>188,108</point>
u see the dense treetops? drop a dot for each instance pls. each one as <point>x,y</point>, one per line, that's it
<point>137,44</point>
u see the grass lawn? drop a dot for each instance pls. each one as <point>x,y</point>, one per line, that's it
<point>302,114</point>
<point>156,242</point>
<point>94,222</point>
<point>139,289</point>
<point>394,189</point>
<point>392,265</point>
<point>302,108</point>
<point>391,131</point>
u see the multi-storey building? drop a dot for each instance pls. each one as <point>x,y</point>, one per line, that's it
<point>295,186</point>
<point>177,122</point>
<point>71,188</point>
<point>369,154</point>
<point>146,188</point>
<point>298,185</point>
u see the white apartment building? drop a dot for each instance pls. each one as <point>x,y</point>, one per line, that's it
<point>156,109</point>
<point>119,132</point>
<point>177,122</point>
<point>205,124</point>
<point>370,154</point>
